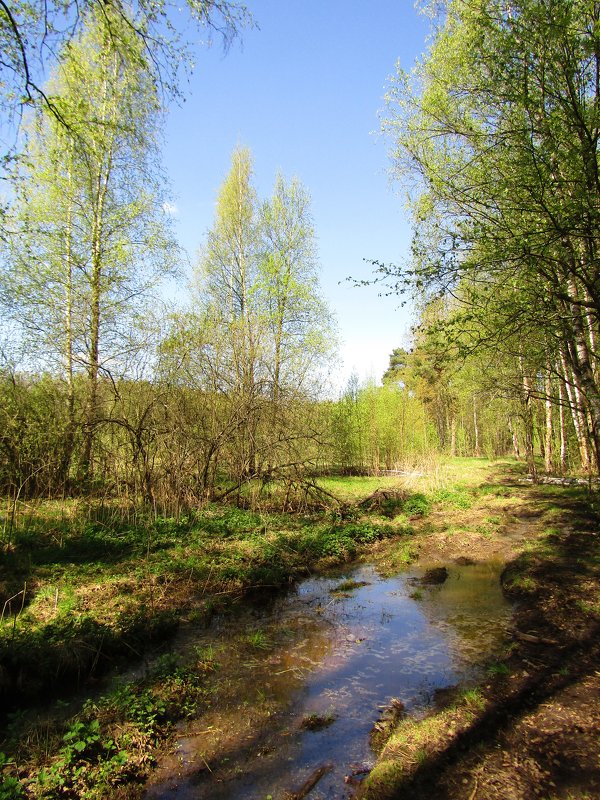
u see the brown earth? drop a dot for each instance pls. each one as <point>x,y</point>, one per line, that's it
<point>532,730</point>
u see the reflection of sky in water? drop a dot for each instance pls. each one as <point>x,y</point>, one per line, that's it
<point>366,648</point>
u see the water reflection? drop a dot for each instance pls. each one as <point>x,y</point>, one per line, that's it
<point>341,654</point>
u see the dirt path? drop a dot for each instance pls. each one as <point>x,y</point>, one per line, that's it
<point>532,730</point>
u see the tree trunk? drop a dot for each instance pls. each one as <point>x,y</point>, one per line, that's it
<point>577,414</point>
<point>515,439</point>
<point>528,424</point>
<point>549,446</point>
<point>476,430</point>
<point>69,439</point>
<point>453,424</point>
<point>562,424</point>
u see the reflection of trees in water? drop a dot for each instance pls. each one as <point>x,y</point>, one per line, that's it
<point>344,655</point>
<point>470,608</point>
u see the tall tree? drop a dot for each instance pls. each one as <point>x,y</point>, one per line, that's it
<point>259,295</point>
<point>298,321</point>
<point>498,128</point>
<point>92,237</point>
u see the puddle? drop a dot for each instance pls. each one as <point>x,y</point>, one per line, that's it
<point>339,655</point>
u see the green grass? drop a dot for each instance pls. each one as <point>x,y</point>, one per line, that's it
<point>83,587</point>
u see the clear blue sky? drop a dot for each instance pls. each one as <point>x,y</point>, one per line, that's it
<point>303,92</point>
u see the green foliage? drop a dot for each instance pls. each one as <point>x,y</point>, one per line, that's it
<point>404,555</point>
<point>10,786</point>
<point>417,505</point>
<point>87,764</point>
<point>490,362</point>
<point>500,669</point>
<point>377,428</point>
<point>455,497</point>
<point>258,640</point>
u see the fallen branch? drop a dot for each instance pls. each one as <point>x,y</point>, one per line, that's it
<point>529,637</point>
<point>309,783</point>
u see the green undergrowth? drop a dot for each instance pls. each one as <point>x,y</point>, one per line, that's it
<point>80,595</point>
<point>107,748</point>
<point>416,740</point>
<point>83,586</point>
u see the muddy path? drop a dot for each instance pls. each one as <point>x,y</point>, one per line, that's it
<point>535,729</point>
<point>301,683</point>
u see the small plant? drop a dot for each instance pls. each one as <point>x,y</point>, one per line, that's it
<point>523,583</point>
<point>500,669</point>
<point>473,699</point>
<point>405,554</point>
<point>456,498</point>
<point>10,787</point>
<point>258,639</point>
<point>493,520</point>
<point>206,659</point>
<point>417,505</point>
<point>86,762</point>
<point>316,722</point>
<point>484,529</point>
<point>165,665</point>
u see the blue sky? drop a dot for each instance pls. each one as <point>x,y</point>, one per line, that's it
<point>303,92</point>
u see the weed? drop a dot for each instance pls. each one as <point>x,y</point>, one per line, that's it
<point>417,505</point>
<point>405,554</point>
<point>473,699</point>
<point>206,658</point>
<point>10,786</point>
<point>588,607</point>
<point>258,639</point>
<point>456,498</point>
<point>85,765</point>
<point>523,583</point>
<point>552,532</point>
<point>493,520</point>
<point>500,669</point>
<point>316,722</point>
<point>165,665</point>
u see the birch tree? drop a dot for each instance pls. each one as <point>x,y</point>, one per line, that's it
<point>92,236</point>
<point>497,133</point>
<point>258,291</point>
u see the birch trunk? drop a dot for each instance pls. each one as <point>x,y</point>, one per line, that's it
<point>549,447</point>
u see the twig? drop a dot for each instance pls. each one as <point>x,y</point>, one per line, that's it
<point>474,792</point>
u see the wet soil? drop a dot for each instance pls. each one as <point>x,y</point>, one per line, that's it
<point>538,729</point>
